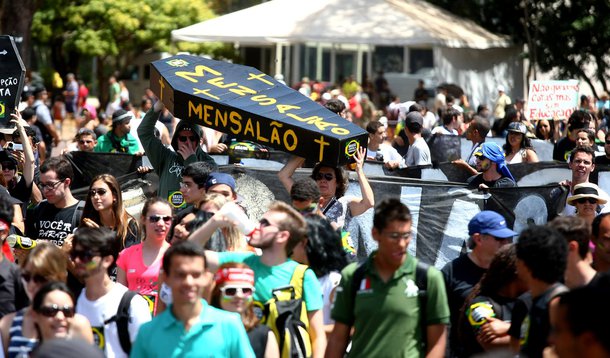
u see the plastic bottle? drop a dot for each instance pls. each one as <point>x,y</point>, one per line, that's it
<point>234,213</point>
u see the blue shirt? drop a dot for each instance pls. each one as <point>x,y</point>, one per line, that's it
<point>217,334</point>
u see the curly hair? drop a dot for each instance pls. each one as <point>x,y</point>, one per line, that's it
<point>544,252</point>
<point>324,250</point>
<point>340,175</point>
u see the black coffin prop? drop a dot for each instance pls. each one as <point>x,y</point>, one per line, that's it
<point>12,78</point>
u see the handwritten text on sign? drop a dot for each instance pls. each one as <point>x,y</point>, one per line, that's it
<point>552,99</point>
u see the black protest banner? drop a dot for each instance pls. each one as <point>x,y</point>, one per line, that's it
<point>250,105</point>
<point>441,210</point>
<point>12,78</point>
<point>444,148</point>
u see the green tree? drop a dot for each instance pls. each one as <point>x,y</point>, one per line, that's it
<point>113,32</point>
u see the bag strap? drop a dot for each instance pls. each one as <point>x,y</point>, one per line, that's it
<point>77,214</point>
<point>298,280</point>
<point>421,280</point>
<point>122,320</point>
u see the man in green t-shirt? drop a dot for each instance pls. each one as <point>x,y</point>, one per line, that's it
<point>384,304</point>
<point>278,232</point>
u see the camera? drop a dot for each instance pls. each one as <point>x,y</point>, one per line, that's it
<point>14,146</point>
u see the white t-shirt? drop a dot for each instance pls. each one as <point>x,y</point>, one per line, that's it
<point>328,284</point>
<point>389,153</point>
<point>444,130</point>
<point>104,308</point>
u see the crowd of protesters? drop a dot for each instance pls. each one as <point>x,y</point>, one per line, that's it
<point>206,279</point>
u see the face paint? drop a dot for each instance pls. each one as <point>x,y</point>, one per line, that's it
<point>485,164</point>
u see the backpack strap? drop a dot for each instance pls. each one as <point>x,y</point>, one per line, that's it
<point>421,280</point>
<point>122,320</point>
<point>78,213</point>
<point>298,280</point>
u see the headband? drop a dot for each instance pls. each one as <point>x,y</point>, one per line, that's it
<point>234,274</point>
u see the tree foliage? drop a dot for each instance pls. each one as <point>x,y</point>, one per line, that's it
<point>567,36</point>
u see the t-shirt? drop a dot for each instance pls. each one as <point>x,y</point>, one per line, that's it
<point>12,291</point>
<point>106,335</point>
<point>110,143</point>
<point>140,278</point>
<point>328,283</point>
<point>386,315</point>
<point>418,153</point>
<point>504,182</point>
<point>385,153</point>
<point>562,149</point>
<point>268,278</point>
<point>460,277</point>
<point>49,223</point>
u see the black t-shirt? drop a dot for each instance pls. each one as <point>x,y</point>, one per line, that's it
<point>536,327</point>
<point>520,310</point>
<point>602,160</point>
<point>12,292</point>
<point>460,276</point>
<point>47,222</point>
<point>504,182</point>
<point>474,316</point>
<point>258,339</point>
<point>562,149</point>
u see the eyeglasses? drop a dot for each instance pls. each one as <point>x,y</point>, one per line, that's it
<point>586,200</point>
<point>28,277</point>
<point>183,138</point>
<point>98,191</point>
<point>50,186</point>
<point>83,256</point>
<point>53,310</point>
<point>231,291</point>
<point>325,176</point>
<point>156,218</point>
<point>399,235</point>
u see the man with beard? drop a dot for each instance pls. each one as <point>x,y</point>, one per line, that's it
<point>280,230</point>
<point>492,165</point>
<point>93,253</point>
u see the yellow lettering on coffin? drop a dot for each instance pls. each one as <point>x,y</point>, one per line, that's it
<point>235,119</point>
<point>218,82</point>
<point>199,72</point>
<point>207,109</point>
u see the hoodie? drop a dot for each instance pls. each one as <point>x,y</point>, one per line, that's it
<point>168,164</point>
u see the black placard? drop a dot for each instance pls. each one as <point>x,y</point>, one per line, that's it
<point>12,78</point>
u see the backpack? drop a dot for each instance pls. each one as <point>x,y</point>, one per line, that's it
<point>122,320</point>
<point>421,281</point>
<point>286,316</point>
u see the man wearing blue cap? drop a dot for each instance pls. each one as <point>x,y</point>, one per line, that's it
<point>488,232</point>
<point>494,172</point>
<point>223,184</point>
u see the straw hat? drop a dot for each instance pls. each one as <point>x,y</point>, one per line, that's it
<point>586,190</point>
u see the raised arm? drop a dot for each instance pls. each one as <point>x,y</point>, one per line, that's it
<point>29,164</point>
<point>286,173</point>
<point>367,201</point>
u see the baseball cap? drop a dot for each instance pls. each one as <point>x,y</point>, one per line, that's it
<point>517,127</point>
<point>216,178</point>
<point>414,117</point>
<point>489,222</point>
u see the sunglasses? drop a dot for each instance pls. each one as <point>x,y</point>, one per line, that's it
<point>52,310</point>
<point>587,200</point>
<point>99,192</point>
<point>28,277</point>
<point>156,218</point>
<point>325,176</point>
<point>8,166</point>
<point>185,138</point>
<point>83,256</point>
<point>231,291</point>
<point>264,223</point>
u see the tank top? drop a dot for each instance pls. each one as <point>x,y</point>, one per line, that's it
<point>19,346</point>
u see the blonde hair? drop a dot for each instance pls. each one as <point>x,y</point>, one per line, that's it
<point>48,261</point>
<point>232,236</point>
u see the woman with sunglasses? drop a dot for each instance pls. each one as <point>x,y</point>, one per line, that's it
<point>45,263</point>
<point>55,317</point>
<point>233,292</point>
<point>333,183</point>
<point>588,199</point>
<point>104,207</point>
<point>138,266</point>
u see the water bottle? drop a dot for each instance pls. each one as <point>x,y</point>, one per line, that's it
<point>20,242</point>
<point>234,213</point>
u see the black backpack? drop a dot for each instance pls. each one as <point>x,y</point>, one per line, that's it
<point>122,320</point>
